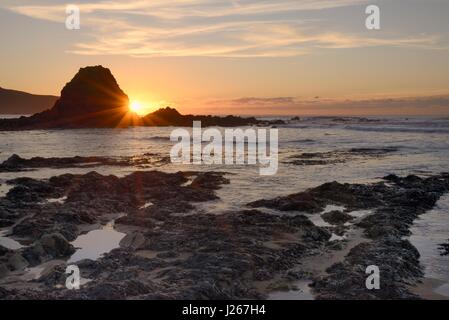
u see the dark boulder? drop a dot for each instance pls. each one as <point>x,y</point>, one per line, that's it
<point>3,270</point>
<point>4,251</point>
<point>56,245</point>
<point>444,248</point>
<point>91,99</point>
<point>17,262</point>
<point>336,217</point>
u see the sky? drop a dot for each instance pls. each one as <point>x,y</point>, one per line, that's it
<point>266,57</point>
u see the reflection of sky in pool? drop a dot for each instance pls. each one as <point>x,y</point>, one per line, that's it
<point>429,231</point>
<point>8,242</point>
<point>96,243</point>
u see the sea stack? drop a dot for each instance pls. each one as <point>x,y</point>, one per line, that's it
<point>92,99</point>
<point>92,91</point>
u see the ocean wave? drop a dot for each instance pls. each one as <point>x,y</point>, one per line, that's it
<point>159,138</point>
<point>306,141</point>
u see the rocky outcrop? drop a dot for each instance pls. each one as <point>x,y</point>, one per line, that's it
<point>395,206</point>
<point>3,270</point>
<point>90,198</point>
<point>398,262</point>
<point>444,248</point>
<point>172,254</point>
<point>134,241</point>
<point>200,256</point>
<point>171,117</point>
<point>56,245</point>
<point>16,163</point>
<point>339,156</point>
<point>174,251</point>
<point>92,99</point>
<point>17,262</point>
<point>336,217</point>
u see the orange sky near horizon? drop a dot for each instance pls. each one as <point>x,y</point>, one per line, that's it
<point>275,57</point>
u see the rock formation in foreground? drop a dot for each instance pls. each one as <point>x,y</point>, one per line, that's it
<point>174,249</point>
<point>93,99</point>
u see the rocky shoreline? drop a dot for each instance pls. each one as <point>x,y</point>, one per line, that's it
<point>396,203</point>
<point>170,252</point>
<point>339,156</point>
<point>16,163</point>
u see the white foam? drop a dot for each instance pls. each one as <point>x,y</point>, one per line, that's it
<point>4,189</point>
<point>55,200</point>
<point>146,205</point>
<point>331,207</point>
<point>335,237</point>
<point>318,221</point>
<point>360,213</point>
<point>189,181</point>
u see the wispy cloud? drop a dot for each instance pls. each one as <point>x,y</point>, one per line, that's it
<point>181,9</point>
<point>215,28</point>
<point>423,105</point>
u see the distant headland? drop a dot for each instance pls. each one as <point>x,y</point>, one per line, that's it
<point>14,102</point>
<point>93,99</point>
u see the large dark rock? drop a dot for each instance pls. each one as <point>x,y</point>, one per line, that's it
<point>444,249</point>
<point>91,99</point>
<point>3,270</point>
<point>17,262</point>
<point>48,247</point>
<point>3,251</point>
<point>171,117</point>
<point>133,240</point>
<point>92,90</point>
<point>336,217</point>
<point>56,245</point>
<point>15,163</point>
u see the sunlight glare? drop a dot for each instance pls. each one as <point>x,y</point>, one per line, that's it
<point>136,106</point>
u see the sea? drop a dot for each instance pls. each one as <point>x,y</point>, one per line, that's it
<point>420,146</point>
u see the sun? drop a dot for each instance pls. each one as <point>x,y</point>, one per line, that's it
<point>142,108</point>
<point>136,106</point>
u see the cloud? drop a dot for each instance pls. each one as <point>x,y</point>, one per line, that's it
<point>213,28</point>
<point>253,101</point>
<point>425,105</point>
<point>181,9</point>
